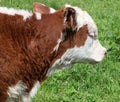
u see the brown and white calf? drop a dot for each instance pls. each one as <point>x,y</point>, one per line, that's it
<point>35,45</point>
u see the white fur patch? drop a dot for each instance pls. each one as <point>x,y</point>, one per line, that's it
<point>57,46</point>
<point>11,11</point>
<point>34,90</point>
<point>38,15</point>
<point>52,10</point>
<point>17,93</point>
<point>58,42</point>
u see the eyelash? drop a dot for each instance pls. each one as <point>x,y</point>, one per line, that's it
<point>93,36</point>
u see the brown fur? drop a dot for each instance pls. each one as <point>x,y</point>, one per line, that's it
<point>26,47</point>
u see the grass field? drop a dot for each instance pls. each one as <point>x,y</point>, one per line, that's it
<point>85,83</point>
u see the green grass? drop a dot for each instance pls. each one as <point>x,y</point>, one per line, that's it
<point>85,83</point>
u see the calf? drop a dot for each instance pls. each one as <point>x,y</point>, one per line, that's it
<point>35,45</point>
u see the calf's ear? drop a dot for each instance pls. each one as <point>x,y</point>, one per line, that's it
<point>41,8</point>
<point>70,18</point>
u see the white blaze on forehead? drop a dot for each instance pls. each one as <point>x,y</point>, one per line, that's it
<point>11,11</point>
<point>83,18</point>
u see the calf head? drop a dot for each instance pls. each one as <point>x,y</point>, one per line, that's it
<point>78,42</point>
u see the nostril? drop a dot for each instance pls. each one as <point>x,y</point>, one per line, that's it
<point>105,52</point>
